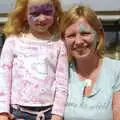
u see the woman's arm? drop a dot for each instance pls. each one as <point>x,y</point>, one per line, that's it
<point>116,106</point>
<point>56,117</point>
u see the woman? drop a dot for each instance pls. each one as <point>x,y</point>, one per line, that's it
<point>94,84</point>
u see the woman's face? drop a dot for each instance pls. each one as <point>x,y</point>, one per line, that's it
<point>40,15</point>
<point>80,39</point>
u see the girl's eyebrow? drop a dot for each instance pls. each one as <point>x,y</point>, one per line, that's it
<point>40,7</point>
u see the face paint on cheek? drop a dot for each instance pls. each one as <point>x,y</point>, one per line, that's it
<point>34,13</point>
<point>31,20</point>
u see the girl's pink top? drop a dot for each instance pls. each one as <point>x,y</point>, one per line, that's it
<point>33,73</point>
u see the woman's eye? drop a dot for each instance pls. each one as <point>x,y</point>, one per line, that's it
<point>85,33</point>
<point>70,36</point>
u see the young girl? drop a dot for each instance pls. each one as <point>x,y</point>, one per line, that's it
<point>33,69</point>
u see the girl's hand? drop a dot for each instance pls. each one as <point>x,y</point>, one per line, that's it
<point>4,117</point>
<point>116,106</point>
<point>56,117</point>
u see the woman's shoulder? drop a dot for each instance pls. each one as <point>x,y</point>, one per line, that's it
<point>112,65</point>
<point>114,72</point>
<point>111,61</point>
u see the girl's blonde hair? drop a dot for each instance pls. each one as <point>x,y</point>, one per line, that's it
<point>17,19</point>
<point>77,11</point>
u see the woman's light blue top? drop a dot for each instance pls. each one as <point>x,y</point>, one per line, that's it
<point>97,106</point>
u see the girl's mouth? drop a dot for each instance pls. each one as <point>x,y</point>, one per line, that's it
<point>80,50</point>
<point>41,24</point>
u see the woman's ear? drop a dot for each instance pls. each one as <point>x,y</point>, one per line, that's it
<point>101,41</point>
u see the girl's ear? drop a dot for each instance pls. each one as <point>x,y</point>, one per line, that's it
<point>25,16</point>
<point>25,22</point>
<point>26,13</point>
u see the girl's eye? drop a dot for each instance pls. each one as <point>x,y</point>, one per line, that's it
<point>35,14</point>
<point>45,12</point>
<point>48,12</point>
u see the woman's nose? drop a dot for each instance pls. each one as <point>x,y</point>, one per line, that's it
<point>79,40</point>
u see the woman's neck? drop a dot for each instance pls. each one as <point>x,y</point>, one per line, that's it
<point>86,67</point>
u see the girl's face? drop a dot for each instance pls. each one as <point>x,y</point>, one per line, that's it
<point>80,39</point>
<point>40,16</point>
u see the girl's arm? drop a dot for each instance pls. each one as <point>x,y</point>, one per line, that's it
<point>61,82</point>
<point>6,116</point>
<point>3,117</point>
<point>5,74</point>
<point>116,106</point>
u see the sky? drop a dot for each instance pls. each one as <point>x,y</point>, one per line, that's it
<point>98,5</point>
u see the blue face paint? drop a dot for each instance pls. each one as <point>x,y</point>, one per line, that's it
<point>89,31</point>
<point>45,9</point>
<point>84,29</point>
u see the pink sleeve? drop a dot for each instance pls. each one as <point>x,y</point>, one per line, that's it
<point>5,74</point>
<point>61,82</point>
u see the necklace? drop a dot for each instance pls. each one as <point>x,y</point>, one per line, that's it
<point>88,82</point>
<point>91,79</point>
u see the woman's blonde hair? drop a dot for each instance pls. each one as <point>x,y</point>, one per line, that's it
<point>17,19</point>
<point>77,11</point>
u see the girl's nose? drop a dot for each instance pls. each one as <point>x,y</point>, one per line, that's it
<point>41,18</point>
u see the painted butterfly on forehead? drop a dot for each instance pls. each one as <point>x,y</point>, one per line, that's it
<point>45,9</point>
